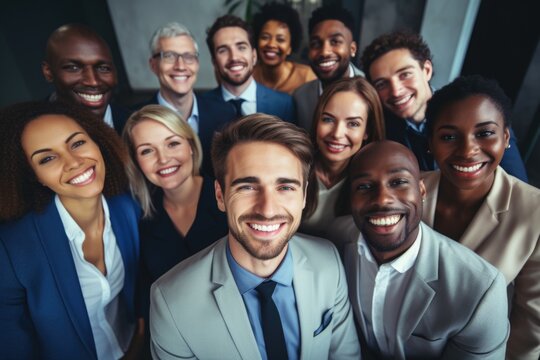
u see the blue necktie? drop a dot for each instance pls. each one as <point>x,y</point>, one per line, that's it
<point>274,340</point>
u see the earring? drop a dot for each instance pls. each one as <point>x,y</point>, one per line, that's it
<point>508,146</point>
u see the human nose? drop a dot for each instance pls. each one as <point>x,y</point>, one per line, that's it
<point>162,157</point>
<point>339,130</point>
<point>179,62</point>
<point>326,48</point>
<point>468,147</point>
<point>395,87</point>
<point>383,195</point>
<point>89,77</point>
<point>266,203</point>
<point>72,162</point>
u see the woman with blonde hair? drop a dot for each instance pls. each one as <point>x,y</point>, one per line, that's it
<point>348,116</point>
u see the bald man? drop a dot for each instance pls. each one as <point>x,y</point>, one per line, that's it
<point>79,64</point>
<point>415,293</point>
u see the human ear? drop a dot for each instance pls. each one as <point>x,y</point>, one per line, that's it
<point>46,70</point>
<point>219,196</point>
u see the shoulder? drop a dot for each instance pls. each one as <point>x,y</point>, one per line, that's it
<point>304,71</point>
<point>520,191</point>
<point>306,90</point>
<point>431,179</point>
<point>214,94</point>
<point>318,251</point>
<point>277,95</point>
<point>124,203</point>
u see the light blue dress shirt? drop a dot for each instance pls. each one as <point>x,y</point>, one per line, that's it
<point>192,120</point>
<point>283,297</point>
<point>249,106</point>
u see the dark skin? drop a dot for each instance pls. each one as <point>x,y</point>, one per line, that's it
<point>79,64</point>
<point>386,198</point>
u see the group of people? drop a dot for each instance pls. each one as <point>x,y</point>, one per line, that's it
<point>194,225</point>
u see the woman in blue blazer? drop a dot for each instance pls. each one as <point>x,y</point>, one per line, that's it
<point>68,240</point>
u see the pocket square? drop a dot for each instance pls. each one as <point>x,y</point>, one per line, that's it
<point>326,319</point>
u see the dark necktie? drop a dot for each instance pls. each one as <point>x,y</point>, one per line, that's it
<point>274,340</point>
<point>237,103</point>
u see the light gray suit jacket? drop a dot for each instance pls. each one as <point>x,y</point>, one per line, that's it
<point>305,100</point>
<point>455,306</point>
<point>197,311</point>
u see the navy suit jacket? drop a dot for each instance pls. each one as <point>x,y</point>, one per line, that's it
<point>268,102</point>
<point>42,309</point>
<point>213,115</point>
<point>120,116</point>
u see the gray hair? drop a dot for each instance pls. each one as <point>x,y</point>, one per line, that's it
<point>169,30</point>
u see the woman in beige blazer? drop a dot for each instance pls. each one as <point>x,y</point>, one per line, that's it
<point>475,202</point>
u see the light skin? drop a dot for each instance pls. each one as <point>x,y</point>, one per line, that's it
<point>386,198</point>
<point>340,133</point>
<point>331,48</point>
<point>66,160</point>
<point>81,68</point>
<point>402,83</point>
<point>264,196</point>
<point>234,58</point>
<point>176,80</point>
<point>166,159</point>
<point>468,142</point>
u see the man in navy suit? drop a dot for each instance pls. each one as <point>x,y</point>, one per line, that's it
<point>175,61</point>
<point>79,64</point>
<point>231,44</point>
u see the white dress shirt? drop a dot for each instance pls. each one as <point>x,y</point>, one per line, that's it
<point>112,333</point>
<point>383,289</point>
<point>249,106</point>
<point>192,120</point>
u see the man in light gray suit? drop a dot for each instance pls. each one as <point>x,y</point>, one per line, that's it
<point>331,48</point>
<point>261,292</point>
<point>416,294</point>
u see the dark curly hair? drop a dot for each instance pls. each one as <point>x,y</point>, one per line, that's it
<point>20,191</point>
<point>462,88</point>
<point>392,41</point>
<point>331,12</point>
<point>227,21</point>
<point>283,13</point>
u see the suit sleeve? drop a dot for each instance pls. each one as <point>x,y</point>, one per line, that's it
<point>486,333</point>
<point>344,343</point>
<point>17,334</point>
<point>166,340</point>
<point>524,341</point>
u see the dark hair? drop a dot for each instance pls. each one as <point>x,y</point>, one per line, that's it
<point>392,41</point>
<point>260,127</point>
<point>331,12</point>
<point>283,13</point>
<point>20,191</point>
<point>374,128</point>
<point>462,88</point>
<point>227,21</point>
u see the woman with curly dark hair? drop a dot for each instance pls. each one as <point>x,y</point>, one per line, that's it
<point>279,33</point>
<point>68,240</point>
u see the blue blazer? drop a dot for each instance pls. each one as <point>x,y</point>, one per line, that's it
<point>268,101</point>
<point>213,115</point>
<point>42,309</point>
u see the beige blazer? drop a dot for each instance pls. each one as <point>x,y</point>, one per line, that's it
<point>506,232</point>
<point>197,311</point>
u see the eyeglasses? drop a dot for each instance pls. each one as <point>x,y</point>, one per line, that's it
<point>171,57</point>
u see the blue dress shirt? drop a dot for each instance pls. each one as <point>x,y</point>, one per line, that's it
<point>283,297</point>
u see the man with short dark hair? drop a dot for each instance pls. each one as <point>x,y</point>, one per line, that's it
<point>231,45</point>
<point>416,294</point>
<point>331,48</point>
<point>79,64</point>
<point>399,65</point>
<point>263,291</point>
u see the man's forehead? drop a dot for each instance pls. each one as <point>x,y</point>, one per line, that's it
<point>331,27</point>
<point>386,157</point>
<point>80,47</point>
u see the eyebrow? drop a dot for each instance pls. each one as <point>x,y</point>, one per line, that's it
<point>166,139</point>
<point>49,149</point>
<point>256,180</point>
<point>347,118</point>
<point>407,67</point>
<point>484,123</point>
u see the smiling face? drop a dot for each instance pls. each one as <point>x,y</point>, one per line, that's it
<point>234,57</point>
<point>386,198</point>
<point>177,79</point>
<point>402,83</point>
<point>342,127</point>
<point>331,48</point>
<point>263,199</point>
<point>82,71</point>
<point>64,158</point>
<point>468,142</point>
<point>274,43</point>
<point>164,157</point>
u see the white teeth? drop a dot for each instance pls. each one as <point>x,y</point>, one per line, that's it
<point>236,67</point>
<point>168,170</point>
<point>327,63</point>
<point>385,221</point>
<point>403,100</point>
<point>468,169</point>
<point>83,177</point>
<point>180,78</point>
<point>266,228</point>
<point>270,53</point>
<point>336,146</point>
<point>91,98</point>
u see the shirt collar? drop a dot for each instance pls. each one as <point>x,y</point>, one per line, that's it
<point>107,118</point>
<point>250,94</point>
<point>401,264</point>
<point>351,74</point>
<point>246,281</point>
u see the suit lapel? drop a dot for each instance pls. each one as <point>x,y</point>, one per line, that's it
<point>231,305</point>
<point>50,231</point>
<point>419,294</point>
<point>352,261</point>
<point>262,99</point>
<point>304,285</point>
